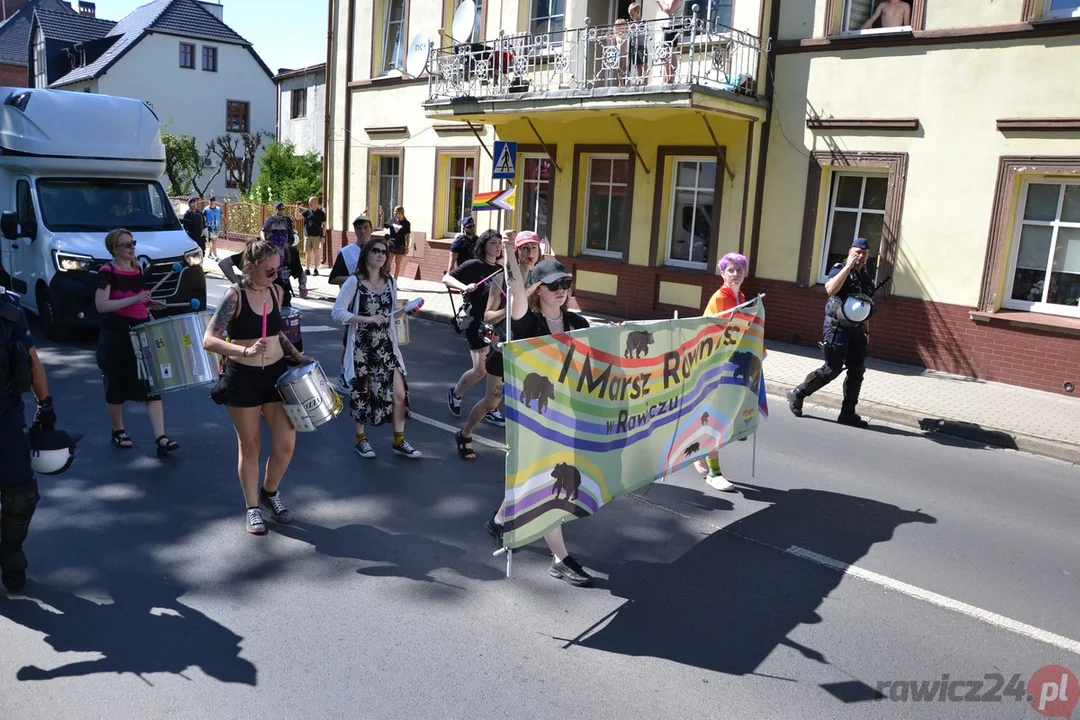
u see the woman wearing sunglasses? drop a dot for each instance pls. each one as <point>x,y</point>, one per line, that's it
<point>255,360</point>
<point>373,370</point>
<point>545,313</point>
<point>122,300</point>
<point>527,251</point>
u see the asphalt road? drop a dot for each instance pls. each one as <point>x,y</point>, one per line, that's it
<point>382,600</point>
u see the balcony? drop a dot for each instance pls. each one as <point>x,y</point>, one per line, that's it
<point>636,64</point>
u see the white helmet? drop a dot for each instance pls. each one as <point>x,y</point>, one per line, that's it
<point>52,451</point>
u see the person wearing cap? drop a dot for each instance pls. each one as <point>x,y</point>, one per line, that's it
<point>527,252</point>
<point>195,223</point>
<point>20,371</point>
<point>845,341</point>
<point>463,246</point>
<point>278,229</point>
<point>544,313</point>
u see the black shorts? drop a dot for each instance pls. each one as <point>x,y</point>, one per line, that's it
<point>472,334</point>
<point>672,36</point>
<point>494,363</point>
<point>247,386</point>
<point>118,364</point>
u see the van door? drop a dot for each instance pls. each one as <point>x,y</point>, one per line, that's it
<point>21,262</point>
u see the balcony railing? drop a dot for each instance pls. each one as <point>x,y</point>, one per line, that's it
<point>623,57</point>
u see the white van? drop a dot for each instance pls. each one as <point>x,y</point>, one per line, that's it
<point>74,166</point>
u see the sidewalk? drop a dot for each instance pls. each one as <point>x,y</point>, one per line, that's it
<point>992,414</point>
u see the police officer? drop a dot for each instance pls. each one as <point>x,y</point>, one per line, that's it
<point>845,341</point>
<point>20,371</point>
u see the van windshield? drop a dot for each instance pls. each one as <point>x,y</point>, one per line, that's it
<point>101,205</point>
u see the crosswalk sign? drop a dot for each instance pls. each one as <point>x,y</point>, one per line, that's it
<point>505,160</point>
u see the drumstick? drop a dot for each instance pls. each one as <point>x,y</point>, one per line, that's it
<point>194,304</point>
<point>176,267</point>
<point>262,355</point>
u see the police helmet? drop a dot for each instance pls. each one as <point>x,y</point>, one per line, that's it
<point>52,451</point>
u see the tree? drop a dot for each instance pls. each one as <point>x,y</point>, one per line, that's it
<point>182,162</point>
<point>286,176</point>
<point>240,164</point>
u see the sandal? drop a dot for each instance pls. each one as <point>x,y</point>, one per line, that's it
<point>464,447</point>
<point>122,440</point>
<point>164,448</point>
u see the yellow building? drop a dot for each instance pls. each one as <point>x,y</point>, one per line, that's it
<point>648,149</point>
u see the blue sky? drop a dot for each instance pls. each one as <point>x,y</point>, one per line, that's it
<point>284,35</point>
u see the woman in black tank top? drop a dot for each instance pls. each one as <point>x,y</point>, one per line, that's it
<point>253,365</point>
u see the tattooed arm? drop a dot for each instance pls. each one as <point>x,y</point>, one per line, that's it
<point>291,352</point>
<point>515,282</point>
<point>212,338</point>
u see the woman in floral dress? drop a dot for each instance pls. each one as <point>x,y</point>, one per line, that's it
<point>374,369</point>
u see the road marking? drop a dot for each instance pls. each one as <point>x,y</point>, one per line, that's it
<point>451,429</point>
<point>320,328</point>
<point>991,618</point>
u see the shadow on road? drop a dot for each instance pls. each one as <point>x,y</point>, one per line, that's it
<point>728,602</point>
<point>145,629</point>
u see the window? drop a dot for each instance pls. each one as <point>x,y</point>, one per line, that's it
<point>209,59</point>
<point>233,170</point>
<point>856,209</point>
<point>537,184</point>
<point>236,118</point>
<point>459,191</point>
<point>715,13</point>
<point>894,17</point>
<point>388,189</point>
<point>394,36</point>
<point>548,17</point>
<point>187,56</point>
<point>1044,272</point>
<point>690,227</point>
<point>478,22</point>
<point>41,74</point>
<point>607,206</point>
<point>24,206</point>
<point>298,100</point>
<point>1062,9</point>
<point>101,204</point>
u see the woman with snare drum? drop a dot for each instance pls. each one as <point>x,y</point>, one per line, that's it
<point>121,300</point>
<point>527,252</point>
<point>373,370</point>
<point>257,355</point>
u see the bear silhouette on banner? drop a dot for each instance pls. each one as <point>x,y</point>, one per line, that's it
<point>539,388</point>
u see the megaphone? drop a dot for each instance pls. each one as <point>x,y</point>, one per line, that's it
<point>52,451</point>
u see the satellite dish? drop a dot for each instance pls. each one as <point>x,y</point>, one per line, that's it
<point>464,21</point>
<point>416,59</point>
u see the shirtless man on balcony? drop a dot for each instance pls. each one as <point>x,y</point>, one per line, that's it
<point>893,13</point>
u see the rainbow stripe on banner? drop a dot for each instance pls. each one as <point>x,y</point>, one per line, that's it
<point>495,200</point>
<point>597,413</point>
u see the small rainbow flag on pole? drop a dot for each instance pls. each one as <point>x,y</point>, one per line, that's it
<point>495,200</point>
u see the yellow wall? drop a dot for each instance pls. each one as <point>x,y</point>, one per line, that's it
<point>957,93</point>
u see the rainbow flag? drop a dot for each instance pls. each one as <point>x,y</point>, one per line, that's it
<point>598,413</point>
<point>495,200</point>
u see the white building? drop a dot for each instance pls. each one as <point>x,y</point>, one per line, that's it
<point>200,77</point>
<point>302,108</point>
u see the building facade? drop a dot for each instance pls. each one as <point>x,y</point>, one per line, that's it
<point>301,110</point>
<point>648,149</point>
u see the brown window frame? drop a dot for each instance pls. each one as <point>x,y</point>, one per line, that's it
<point>575,243</point>
<point>834,13</point>
<point>657,249</point>
<point>294,112</point>
<point>209,52</point>
<point>187,53</point>
<point>230,106</point>
<point>999,243</point>
<point>895,163</point>
<point>374,157</point>
<point>233,168</point>
<point>442,185</point>
<point>533,151</point>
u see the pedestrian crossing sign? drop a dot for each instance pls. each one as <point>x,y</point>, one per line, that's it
<point>505,160</point>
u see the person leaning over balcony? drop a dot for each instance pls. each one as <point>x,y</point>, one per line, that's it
<point>212,213</point>
<point>893,13</point>
<point>672,34</point>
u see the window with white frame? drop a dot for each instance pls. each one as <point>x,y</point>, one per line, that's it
<point>1044,270</point>
<point>1061,9</point>
<point>460,185</point>
<point>856,210</point>
<point>478,22</point>
<point>548,17</point>
<point>394,37</point>
<point>875,16</point>
<point>537,183</point>
<point>607,206</point>
<point>693,187</point>
<point>388,189</point>
<point>41,70</point>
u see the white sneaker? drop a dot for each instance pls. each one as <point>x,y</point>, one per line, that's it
<point>719,482</point>
<point>495,418</point>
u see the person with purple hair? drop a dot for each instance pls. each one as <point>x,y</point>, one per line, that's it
<point>732,267</point>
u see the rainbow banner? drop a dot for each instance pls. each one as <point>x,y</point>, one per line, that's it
<point>598,413</point>
<point>495,200</point>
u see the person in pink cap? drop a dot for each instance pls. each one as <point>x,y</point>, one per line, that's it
<point>527,252</point>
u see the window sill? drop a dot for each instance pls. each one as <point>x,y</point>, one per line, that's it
<point>1060,20</point>
<point>1037,321</point>
<point>875,33</point>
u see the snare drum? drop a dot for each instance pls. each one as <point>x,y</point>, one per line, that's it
<point>309,401</point>
<point>170,354</point>
<point>290,325</point>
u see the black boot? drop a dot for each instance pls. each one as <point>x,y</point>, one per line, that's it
<point>17,505</point>
<point>852,388</point>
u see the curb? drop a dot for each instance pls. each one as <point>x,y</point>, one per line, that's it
<point>902,417</point>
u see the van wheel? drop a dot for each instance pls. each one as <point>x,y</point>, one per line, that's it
<point>51,325</point>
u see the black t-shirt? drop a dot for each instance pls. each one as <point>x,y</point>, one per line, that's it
<point>534,324</point>
<point>194,223</point>
<point>399,231</point>
<point>473,271</point>
<point>313,222</point>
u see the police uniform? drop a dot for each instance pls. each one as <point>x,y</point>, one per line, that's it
<point>18,488</point>
<point>844,345</point>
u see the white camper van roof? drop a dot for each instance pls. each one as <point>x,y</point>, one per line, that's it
<point>61,124</point>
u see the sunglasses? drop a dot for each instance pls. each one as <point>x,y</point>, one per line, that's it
<point>270,272</point>
<point>127,244</point>
<point>378,251</point>
<point>560,284</point>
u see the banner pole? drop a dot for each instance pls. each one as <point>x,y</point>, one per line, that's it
<point>753,456</point>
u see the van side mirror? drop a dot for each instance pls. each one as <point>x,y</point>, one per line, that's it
<point>9,225</point>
